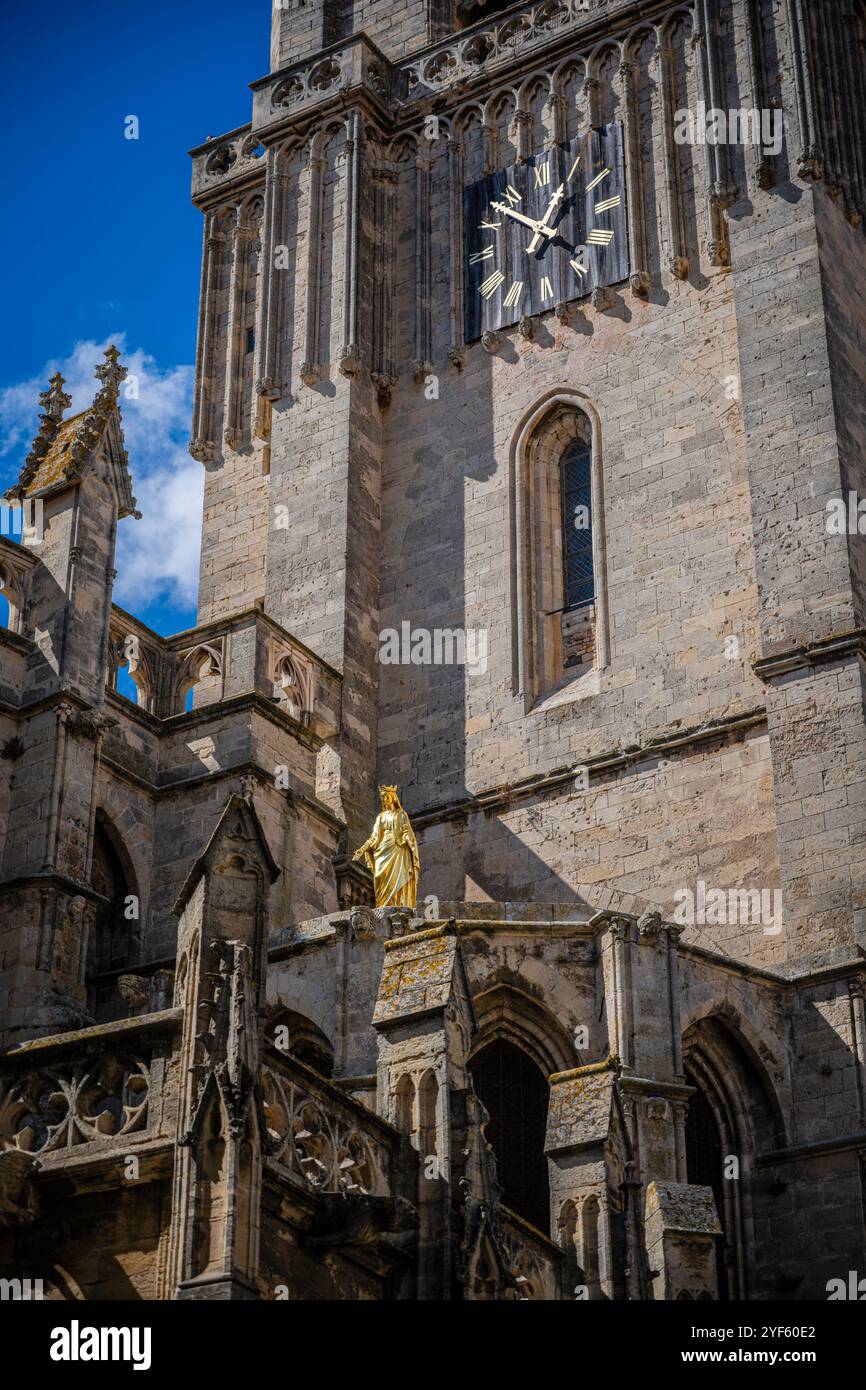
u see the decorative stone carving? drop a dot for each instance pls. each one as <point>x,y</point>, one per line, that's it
<point>288,93</point>
<point>602,298</point>
<point>308,1135</point>
<point>325,75</point>
<point>55,1108</point>
<point>221,160</point>
<point>19,1204</point>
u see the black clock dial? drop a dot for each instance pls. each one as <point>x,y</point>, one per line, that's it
<point>547,230</point>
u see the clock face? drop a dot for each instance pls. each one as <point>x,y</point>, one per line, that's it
<point>545,231</point>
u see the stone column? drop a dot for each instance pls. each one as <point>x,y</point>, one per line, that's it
<point>220,982</point>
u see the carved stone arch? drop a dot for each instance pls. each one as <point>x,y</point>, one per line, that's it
<point>305,1040</point>
<point>428,1119</point>
<point>598,56</point>
<point>224,217</point>
<point>501,128</point>
<point>486,1276</point>
<point>114,940</point>
<point>142,668</point>
<point>573,65</point>
<point>12,589</point>
<point>503,1010</point>
<point>180,980</point>
<point>403,1104</point>
<point>538,661</point>
<point>671,19</point>
<point>567,1226</point>
<point>296,996</point>
<point>287,152</point>
<point>603,65</point>
<point>635,39</point>
<point>734,1088</point>
<point>742,1056</point>
<point>535,98</point>
<point>403,147</point>
<point>465,116</point>
<point>515,1092</point>
<point>468,153</point>
<point>569,85</point>
<point>203,662</point>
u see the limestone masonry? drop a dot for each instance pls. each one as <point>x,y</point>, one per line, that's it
<point>522,402</point>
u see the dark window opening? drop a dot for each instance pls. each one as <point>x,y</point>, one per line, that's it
<point>251,340</point>
<point>575,495</point>
<point>468,12</point>
<point>705,1166</point>
<point>515,1093</point>
<point>110,947</point>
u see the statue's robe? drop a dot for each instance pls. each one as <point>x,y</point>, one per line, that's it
<point>392,856</point>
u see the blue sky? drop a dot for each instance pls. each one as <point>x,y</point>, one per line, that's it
<point>100,242</point>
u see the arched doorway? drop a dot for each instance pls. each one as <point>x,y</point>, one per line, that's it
<point>515,1093</point>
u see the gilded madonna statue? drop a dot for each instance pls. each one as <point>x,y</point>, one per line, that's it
<point>391,854</point>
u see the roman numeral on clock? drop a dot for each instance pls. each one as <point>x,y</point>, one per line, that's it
<point>608,203</point>
<point>546,287</point>
<point>601,236</point>
<point>597,180</point>
<point>483,255</point>
<point>512,195</point>
<point>542,174</point>
<point>514,295</point>
<point>489,286</point>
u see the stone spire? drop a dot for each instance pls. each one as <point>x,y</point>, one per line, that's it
<point>53,401</point>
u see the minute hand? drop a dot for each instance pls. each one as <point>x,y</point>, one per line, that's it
<point>537,227</point>
<point>542,225</point>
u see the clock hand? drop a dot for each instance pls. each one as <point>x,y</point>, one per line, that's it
<point>537,227</point>
<point>552,205</point>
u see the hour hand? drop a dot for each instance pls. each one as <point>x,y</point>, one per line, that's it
<point>537,227</point>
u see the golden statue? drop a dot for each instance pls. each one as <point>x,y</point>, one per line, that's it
<point>391,854</point>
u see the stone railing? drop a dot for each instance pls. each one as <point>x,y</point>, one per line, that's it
<point>245,654</point>
<point>485,47</point>
<point>534,1261</point>
<point>355,69</point>
<point>327,1140</point>
<point>88,1091</point>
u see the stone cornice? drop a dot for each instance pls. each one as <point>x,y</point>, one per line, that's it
<point>355,72</point>
<point>498,798</point>
<point>836,648</point>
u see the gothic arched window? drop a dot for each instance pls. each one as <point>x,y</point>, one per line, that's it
<point>113,943</point>
<point>575,506</point>
<point>560,589</point>
<point>704,1165</point>
<point>515,1093</point>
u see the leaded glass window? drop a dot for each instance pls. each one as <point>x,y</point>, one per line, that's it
<point>575,491</point>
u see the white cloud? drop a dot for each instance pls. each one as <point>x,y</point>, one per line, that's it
<point>158,556</point>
